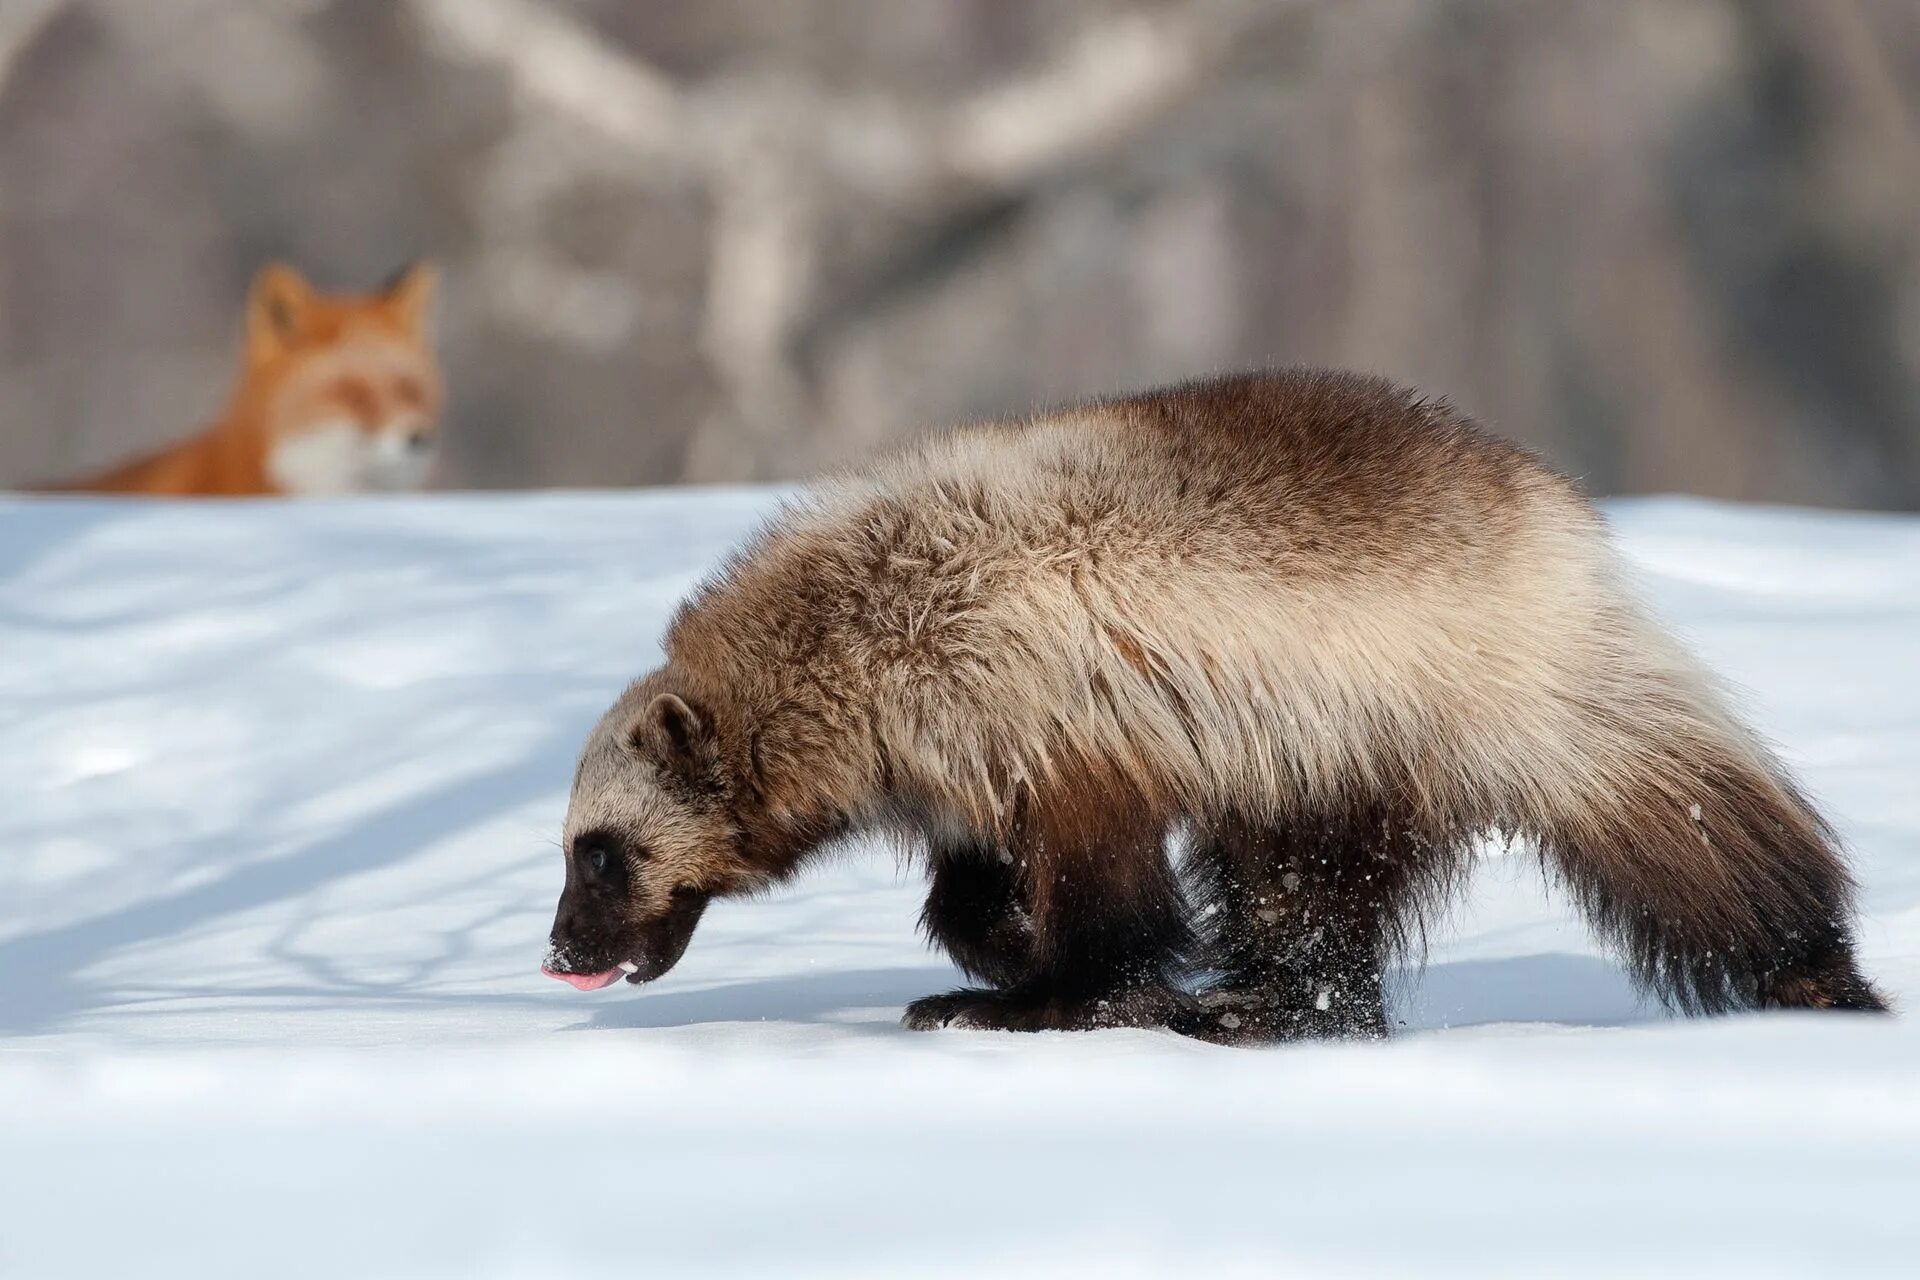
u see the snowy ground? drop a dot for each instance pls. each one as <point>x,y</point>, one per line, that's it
<point>277,862</point>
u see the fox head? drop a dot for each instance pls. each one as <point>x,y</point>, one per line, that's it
<point>344,387</point>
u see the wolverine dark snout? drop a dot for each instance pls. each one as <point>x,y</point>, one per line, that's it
<point>591,946</point>
<point>663,941</point>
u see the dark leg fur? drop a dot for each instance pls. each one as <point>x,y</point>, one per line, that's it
<point>1820,979</point>
<point>1104,930</point>
<point>1720,886</point>
<point>1301,918</point>
<point>976,911</point>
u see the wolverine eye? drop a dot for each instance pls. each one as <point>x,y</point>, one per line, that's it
<point>603,858</point>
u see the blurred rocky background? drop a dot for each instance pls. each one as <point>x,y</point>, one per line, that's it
<point>1673,243</point>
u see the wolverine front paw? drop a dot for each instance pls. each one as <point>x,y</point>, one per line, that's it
<point>972,1007</point>
<point>981,1009</point>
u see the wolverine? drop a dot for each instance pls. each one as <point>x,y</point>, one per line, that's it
<point>1195,703</point>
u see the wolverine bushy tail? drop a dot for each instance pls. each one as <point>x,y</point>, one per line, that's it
<point>1694,852</point>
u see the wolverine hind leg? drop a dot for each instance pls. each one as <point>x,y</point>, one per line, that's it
<point>1299,918</point>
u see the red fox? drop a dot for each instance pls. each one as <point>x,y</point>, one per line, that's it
<point>338,393</point>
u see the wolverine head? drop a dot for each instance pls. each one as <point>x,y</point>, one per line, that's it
<point>650,838</point>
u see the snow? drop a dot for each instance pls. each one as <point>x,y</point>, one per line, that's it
<point>277,862</point>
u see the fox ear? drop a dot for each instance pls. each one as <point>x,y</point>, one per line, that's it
<point>277,309</point>
<point>409,296</point>
<point>673,733</point>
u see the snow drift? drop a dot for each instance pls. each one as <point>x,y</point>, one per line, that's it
<point>277,861</point>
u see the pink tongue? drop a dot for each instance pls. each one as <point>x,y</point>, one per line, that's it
<point>585,981</point>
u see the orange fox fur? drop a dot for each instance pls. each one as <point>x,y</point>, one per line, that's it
<point>337,393</point>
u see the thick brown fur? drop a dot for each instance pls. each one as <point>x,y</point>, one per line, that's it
<point>1324,626</point>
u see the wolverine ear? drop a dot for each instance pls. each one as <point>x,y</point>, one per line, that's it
<point>277,309</point>
<point>674,733</point>
<point>409,296</point>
